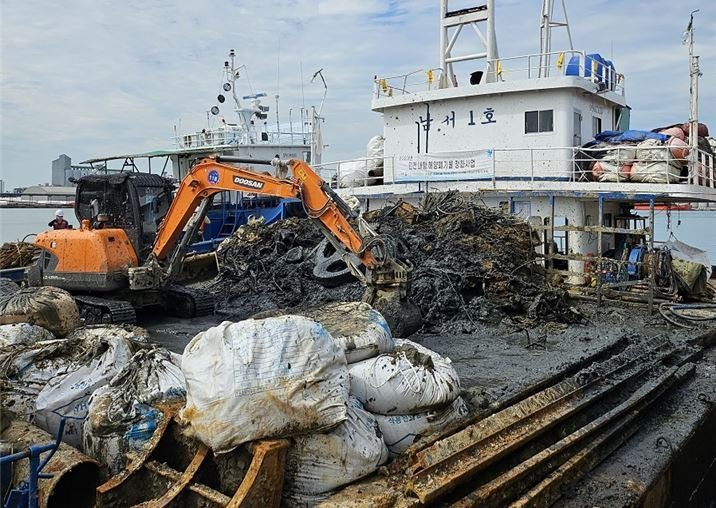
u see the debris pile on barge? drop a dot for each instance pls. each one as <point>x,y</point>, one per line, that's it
<point>472,264</point>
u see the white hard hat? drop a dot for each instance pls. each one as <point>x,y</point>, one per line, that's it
<point>59,213</point>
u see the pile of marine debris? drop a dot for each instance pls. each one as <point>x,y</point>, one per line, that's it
<point>16,254</point>
<point>472,264</point>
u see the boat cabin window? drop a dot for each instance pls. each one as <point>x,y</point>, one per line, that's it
<point>539,121</point>
<point>596,125</point>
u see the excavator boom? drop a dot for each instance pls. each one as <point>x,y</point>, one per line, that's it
<point>213,175</point>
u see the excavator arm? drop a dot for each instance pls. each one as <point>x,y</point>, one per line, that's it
<point>214,175</point>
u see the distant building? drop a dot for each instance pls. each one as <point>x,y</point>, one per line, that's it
<point>63,170</point>
<point>49,193</point>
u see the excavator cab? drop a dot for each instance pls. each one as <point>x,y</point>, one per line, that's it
<point>133,202</point>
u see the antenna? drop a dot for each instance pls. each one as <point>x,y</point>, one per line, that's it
<point>303,100</point>
<point>547,22</point>
<point>278,85</point>
<point>319,72</point>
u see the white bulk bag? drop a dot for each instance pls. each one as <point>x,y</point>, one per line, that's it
<point>67,395</point>
<point>353,173</point>
<point>655,164</point>
<point>621,154</point>
<point>656,172</point>
<point>132,333</point>
<point>263,378</point>
<point>401,431</point>
<point>319,463</point>
<point>375,151</point>
<point>412,379</point>
<point>23,333</point>
<point>360,330</point>
<point>120,418</point>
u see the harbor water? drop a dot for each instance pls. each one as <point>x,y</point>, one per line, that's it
<point>16,223</point>
<point>697,228</point>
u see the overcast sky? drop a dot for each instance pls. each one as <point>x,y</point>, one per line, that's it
<point>97,77</point>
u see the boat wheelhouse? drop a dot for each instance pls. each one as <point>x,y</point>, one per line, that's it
<point>516,131</point>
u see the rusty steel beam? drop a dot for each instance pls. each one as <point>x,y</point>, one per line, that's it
<point>448,463</point>
<point>107,492</point>
<point>509,484</point>
<point>261,485</point>
<point>178,486</point>
<point>210,495</point>
<point>263,482</point>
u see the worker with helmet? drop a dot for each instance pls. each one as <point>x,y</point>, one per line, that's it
<point>59,221</point>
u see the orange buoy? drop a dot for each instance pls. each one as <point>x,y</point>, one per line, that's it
<point>702,132</point>
<point>679,148</point>
<point>625,171</point>
<point>674,132</point>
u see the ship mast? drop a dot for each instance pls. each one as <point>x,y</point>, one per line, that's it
<point>547,22</point>
<point>451,25</point>
<point>694,74</point>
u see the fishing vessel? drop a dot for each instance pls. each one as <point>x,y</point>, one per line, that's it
<point>517,131</point>
<point>240,123</point>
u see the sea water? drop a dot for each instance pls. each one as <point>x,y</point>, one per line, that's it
<point>697,228</point>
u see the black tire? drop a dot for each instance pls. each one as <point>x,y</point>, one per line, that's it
<point>332,273</point>
<point>326,251</point>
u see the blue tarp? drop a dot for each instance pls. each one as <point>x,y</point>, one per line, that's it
<point>627,136</point>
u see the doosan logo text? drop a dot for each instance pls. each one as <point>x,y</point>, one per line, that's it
<point>254,184</point>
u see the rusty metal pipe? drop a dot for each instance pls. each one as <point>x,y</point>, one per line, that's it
<point>75,476</point>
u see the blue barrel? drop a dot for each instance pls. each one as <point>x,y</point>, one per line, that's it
<point>599,74</point>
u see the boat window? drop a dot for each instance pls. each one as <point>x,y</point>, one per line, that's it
<point>539,121</point>
<point>596,125</point>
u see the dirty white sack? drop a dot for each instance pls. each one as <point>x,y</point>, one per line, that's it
<point>129,332</point>
<point>354,173</point>
<point>52,308</point>
<point>120,418</point>
<point>46,381</point>
<point>260,378</point>
<point>317,464</point>
<point>68,395</point>
<point>375,150</point>
<point>401,431</point>
<point>360,330</point>
<point>656,172</point>
<point>655,164</point>
<point>23,333</point>
<point>410,380</point>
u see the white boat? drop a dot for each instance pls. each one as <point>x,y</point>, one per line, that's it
<point>241,123</point>
<point>513,132</point>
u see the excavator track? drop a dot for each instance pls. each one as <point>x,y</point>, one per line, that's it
<point>95,310</point>
<point>187,302</point>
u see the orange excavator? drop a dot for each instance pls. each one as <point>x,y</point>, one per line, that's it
<point>104,265</point>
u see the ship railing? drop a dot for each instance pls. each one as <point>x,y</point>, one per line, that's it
<point>354,172</point>
<point>537,164</point>
<point>221,136</point>
<point>560,63</point>
<point>623,164</point>
<point>416,81</point>
<point>523,67</point>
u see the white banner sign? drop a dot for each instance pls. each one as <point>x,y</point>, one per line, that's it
<point>421,167</point>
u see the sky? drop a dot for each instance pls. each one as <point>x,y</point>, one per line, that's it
<point>98,77</point>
